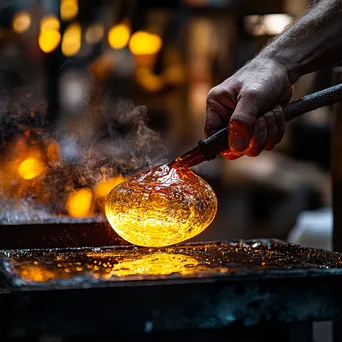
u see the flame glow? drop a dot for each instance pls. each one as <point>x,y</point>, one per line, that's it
<point>31,168</point>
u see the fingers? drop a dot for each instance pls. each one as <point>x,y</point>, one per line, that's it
<point>269,131</point>
<point>259,140</point>
<point>243,121</point>
<point>228,104</point>
<point>220,105</point>
<point>214,119</point>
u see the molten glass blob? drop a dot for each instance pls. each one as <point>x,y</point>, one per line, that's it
<point>160,207</point>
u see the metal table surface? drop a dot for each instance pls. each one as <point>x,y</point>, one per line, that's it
<point>192,287</point>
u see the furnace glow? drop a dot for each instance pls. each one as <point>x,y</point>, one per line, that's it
<point>31,168</point>
<point>161,207</point>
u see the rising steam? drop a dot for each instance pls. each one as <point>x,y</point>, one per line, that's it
<point>116,140</point>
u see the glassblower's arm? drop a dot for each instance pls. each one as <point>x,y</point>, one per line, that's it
<point>207,149</point>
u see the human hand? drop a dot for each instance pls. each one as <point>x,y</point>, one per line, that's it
<point>249,102</point>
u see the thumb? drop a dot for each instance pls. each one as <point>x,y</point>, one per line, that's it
<point>242,123</point>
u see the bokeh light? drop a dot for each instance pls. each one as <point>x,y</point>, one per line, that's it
<point>79,203</point>
<point>50,22</point>
<point>31,168</point>
<point>144,43</point>
<point>69,9</point>
<point>21,22</point>
<point>49,40</point>
<point>118,36</point>
<point>71,42</point>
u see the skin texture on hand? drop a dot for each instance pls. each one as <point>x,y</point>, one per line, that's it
<point>265,83</point>
<point>241,102</point>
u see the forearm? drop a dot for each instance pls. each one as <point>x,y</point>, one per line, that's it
<point>312,42</point>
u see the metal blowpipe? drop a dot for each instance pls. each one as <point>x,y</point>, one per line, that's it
<point>207,149</point>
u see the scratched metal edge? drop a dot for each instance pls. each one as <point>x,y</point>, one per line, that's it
<point>7,283</point>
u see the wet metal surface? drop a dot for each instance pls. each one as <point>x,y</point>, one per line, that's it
<point>110,290</point>
<point>85,266</point>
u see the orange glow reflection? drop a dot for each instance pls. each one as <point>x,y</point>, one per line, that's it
<point>31,168</point>
<point>36,273</point>
<point>79,203</point>
<point>159,263</point>
<point>108,266</point>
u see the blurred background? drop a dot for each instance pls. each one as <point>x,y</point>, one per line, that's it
<point>65,58</point>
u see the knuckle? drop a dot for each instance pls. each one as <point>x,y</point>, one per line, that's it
<point>213,93</point>
<point>251,93</point>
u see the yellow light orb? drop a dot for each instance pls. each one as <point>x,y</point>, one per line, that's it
<point>161,207</point>
<point>21,22</point>
<point>71,42</point>
<point>79,203</point>
<point>49,40</point>
<point>31,168</point>
<point>50,22</point>
<point>144,43</point>
<point>118,36</point>
<point>69,9</point>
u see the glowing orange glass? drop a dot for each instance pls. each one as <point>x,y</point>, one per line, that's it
<point>161,207</point>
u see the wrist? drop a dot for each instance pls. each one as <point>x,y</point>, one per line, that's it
<point>284,60</point>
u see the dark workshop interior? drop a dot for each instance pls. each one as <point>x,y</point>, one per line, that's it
<point>92,92</point>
